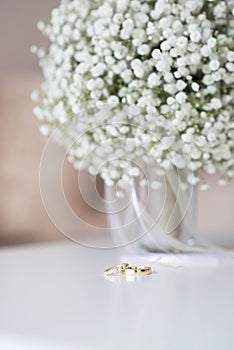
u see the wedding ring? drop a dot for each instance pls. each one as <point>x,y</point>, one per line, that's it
<point>137,271</point>
<point>116,269</point>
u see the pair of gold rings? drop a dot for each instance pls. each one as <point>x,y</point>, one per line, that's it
<point>127,270</point>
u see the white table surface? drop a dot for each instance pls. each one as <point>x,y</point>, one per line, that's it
<point>55,297</point>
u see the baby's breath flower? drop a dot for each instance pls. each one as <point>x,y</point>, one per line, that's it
<point>160,75</point>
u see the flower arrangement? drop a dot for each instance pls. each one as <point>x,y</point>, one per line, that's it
<point>164,68</point>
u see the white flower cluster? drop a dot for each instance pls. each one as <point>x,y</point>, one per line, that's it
<point>164,69</point>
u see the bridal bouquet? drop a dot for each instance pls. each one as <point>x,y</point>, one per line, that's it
<point>130,80</point>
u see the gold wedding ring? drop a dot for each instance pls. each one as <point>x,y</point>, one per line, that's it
<point>137,271</point>
<point>126,269</point>
<point>116,269</point>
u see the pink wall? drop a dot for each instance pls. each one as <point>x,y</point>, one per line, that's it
<point>18,30</point>
<point>216,210</point>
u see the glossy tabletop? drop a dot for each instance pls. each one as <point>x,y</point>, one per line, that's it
<point>55,297</point>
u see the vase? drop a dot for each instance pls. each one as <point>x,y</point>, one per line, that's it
<point>158,216</point>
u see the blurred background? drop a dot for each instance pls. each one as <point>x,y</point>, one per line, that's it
<point>22,216</point>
